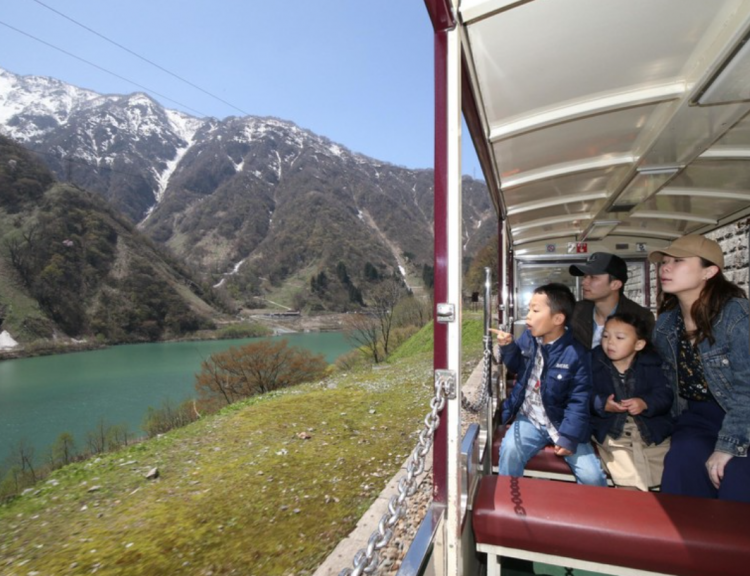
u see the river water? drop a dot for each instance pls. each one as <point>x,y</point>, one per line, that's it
<point>44,396</point>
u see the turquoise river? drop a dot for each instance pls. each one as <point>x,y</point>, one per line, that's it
<point>44,396</point>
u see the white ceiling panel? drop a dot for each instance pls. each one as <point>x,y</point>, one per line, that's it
<point>592,113</point>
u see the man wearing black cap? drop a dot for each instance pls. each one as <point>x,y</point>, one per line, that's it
<point>604,278</point>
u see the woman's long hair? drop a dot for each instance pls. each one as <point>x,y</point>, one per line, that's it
<point>715,294</point>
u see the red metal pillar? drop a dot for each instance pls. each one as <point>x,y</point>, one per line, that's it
<point>442,20</point>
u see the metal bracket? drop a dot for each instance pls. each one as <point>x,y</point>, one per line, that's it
<point>446,313</point>
<point>448,378</point>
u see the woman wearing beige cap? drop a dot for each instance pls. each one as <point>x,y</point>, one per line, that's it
<point>701,334</point>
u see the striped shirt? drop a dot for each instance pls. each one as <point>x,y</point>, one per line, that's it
<point>532,406</point>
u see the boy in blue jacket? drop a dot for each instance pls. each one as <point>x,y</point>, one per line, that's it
<point>550,401</point>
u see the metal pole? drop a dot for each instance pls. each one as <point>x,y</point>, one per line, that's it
<point>447,289</point>
<point>487,299</point>
<point>487,427</point>
<point>452,411</point>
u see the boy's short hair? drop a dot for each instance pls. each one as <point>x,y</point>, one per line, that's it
<point>638,324</point>
<point>560,298</point>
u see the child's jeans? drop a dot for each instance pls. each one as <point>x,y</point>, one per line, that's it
<point>523,440</point>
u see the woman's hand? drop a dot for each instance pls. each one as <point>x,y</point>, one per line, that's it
<point>503,338</point>
<point>560,451</point>
<point>715,466</point>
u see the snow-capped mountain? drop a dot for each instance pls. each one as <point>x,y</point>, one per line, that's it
<point>263,191</point>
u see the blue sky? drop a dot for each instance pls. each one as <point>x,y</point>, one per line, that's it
<point>357,72</point>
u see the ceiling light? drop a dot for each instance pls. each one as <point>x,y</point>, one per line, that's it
<point>646,183</point>
<point>599,229</point>
<point>731,83</point>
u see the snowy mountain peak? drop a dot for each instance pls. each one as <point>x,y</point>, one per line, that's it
<point>25,98</point>
<point>259,190</point>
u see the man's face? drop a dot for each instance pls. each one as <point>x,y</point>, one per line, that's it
<point>598,287</point>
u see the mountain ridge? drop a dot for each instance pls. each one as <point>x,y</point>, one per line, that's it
<point>72,265</point>
<point>259,194</point>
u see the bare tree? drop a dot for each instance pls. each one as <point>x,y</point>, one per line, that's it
<point>385,297</point>
<point>63,450</point>
<point>363,330</point>
<point>97,438</point>
<point>169,416</point>
<point>117,436</point>
<point>21,461</point>
<point>413,311</point>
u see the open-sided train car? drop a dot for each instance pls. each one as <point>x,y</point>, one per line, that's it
<point>600,125</point>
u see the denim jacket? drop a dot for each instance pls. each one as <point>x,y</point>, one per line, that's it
<point>726,366</point>
<point>565,384</point>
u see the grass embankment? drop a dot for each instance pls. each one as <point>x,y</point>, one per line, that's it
<point>244,491</point>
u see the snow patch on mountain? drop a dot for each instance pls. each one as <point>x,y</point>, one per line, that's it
<point>336,150</point>
<point>7,341</point>
<point>234,271</point>
<point>47,100</point>
<point>183,125</point>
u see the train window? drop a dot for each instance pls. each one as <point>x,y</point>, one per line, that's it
<point>532,274</point>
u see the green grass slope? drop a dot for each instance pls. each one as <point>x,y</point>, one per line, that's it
<point>421,343</point>
<point>267,487</point>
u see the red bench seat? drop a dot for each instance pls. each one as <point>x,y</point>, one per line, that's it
<point>620,531</point>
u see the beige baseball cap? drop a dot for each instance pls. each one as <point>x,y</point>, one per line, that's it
<point>689,246</point>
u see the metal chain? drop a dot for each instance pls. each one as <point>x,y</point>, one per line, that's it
<point>366,560</point>
<point>484,390</point>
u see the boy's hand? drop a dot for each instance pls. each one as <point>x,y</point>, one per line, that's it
<point>503,338</point>
<point>560,451</point>
<point>613,406</point>
<point>634,406</point>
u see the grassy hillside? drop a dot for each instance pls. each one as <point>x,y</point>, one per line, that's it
<point>421,343</point>
<point>267,487</point>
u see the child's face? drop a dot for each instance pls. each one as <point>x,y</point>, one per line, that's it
<point>620,341</point>
<point>540,320</point>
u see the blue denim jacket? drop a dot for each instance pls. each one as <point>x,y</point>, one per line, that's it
<point>565,384</point>
<point>726,366</point>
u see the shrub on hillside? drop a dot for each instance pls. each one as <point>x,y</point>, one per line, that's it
<point>256,368</point>
<point>351,361</point>
<point>168,416</point>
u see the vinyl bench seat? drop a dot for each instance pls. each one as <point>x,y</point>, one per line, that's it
<point>610,531</point>
<point>545,464</point>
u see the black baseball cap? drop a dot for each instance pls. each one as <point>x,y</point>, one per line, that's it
<point>602,263</point>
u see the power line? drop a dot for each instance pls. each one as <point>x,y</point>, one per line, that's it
<point>103,37</point>
<point>147,89</point>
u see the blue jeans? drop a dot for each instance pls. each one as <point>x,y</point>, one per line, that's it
<point>523,440</point>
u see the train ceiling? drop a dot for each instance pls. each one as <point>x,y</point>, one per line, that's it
<point>610,121</point>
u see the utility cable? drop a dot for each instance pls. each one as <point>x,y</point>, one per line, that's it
<point>180,78</point>
<point>102,69</point>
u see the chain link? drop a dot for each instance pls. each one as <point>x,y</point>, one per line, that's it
<point>484,389</point>
<point>366,560</point>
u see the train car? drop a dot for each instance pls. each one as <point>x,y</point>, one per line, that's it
<point>601,126</point>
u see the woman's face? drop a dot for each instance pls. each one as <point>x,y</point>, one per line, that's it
<point>683,275</point>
